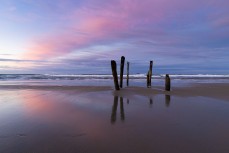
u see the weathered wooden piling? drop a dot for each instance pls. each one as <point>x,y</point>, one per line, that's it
<point>127,74</point>
<point>167,82</point>
<point>150,72</point>
<point>121,70</point>
<point>115,75</point>
<point>147,79</point>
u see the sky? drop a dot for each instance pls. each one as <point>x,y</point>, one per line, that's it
<point>83,36</point>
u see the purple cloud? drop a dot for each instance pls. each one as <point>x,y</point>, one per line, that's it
<point>168,31</point>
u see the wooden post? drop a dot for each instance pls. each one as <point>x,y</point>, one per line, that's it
<point>115,75</point>
<point>167,82</point>
<point>121,70</point>
<point>127,74</point>
<point>150,72</point>
<point>147,79</point>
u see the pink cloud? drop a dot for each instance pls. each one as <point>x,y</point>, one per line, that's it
<point>90,31</point>
<point>89,26</point>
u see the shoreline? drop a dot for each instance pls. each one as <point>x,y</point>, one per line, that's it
<point>211,90</point>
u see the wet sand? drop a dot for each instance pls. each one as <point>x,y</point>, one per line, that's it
<point>44,119</point>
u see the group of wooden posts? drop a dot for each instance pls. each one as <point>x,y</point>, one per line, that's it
<point>149,75</point>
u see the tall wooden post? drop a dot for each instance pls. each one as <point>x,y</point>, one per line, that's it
<point>115,75</point>
<point>150,72</point>
<point>167,82</point>
<point>127,74</point>
<point>121,70</point>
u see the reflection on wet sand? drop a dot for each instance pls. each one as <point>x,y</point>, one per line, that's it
<point>122,112</point>
<point>114,109</point>
<point>167,100</point>
<point>122,109</point>
<point>150,102</point>
<point>67,121</point>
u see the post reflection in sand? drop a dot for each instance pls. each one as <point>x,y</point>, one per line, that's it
<point>122,109</point>
<point>127,101</point>
<point>114,109</point>
<point>150,102</point>
<point>122,112</point>
<point>167,100</point>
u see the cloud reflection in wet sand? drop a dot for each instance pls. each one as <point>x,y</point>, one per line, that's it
<point>57,121</point>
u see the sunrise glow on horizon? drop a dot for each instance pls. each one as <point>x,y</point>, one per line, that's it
<point>75,37</point>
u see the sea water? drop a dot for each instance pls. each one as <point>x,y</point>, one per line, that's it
<point>105,79</point>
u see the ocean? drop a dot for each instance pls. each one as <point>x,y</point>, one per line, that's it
<point>105,79</point>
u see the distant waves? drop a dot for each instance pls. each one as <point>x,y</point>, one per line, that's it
<point>102,76</point>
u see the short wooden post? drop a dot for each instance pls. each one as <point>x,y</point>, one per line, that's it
<point>115,75</point>
<point>150,72</point>
<point>121,70</point>
<point>167,82</point>
<point>147,80</point>
<point>127,74</point>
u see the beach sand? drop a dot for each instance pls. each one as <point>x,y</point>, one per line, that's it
<point>69,119</point>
